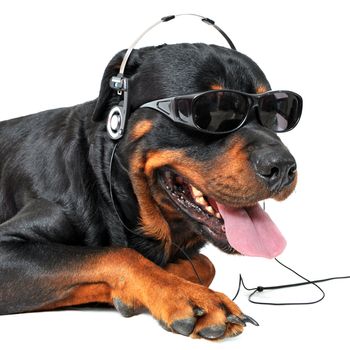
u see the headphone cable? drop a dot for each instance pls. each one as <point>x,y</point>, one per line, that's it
<point>261,289</point>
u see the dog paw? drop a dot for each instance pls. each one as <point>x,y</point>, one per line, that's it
<point>196,311</point>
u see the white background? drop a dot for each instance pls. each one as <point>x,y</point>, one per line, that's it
<point>53,54</point>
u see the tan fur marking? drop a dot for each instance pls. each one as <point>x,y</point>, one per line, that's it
<point>261,89</point>
<point>152,220</point>
<point>235,181</point>
<point>141,128</point>
<point>183,268</point>
<point>82,294</point>
<point>216,87</point>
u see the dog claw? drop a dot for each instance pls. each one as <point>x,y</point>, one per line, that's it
<point>124,309</point>
<point>198,311</point>
<point>235,320</point>
<point>185,326</point>
<point>164,326</point>
<point>246,318</point>
<point>213,332</point>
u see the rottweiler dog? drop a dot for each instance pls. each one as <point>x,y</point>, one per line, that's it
<point>63,244</point>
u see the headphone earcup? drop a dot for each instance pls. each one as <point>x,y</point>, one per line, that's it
<point>115,122</point>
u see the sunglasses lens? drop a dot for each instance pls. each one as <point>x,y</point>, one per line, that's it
<point>220,111</point>
<point>280,111</point>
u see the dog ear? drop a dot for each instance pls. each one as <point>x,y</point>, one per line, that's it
<point>106,92</point>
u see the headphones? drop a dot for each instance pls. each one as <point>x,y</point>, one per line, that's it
<point>118,114</point>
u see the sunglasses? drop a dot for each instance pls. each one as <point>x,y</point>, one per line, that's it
<point>224,111</point>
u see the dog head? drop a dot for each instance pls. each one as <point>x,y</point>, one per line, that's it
<point>193,187</point>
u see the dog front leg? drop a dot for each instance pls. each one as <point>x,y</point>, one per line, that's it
<point>197,270</point>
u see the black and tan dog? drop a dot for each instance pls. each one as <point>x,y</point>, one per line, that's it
<point>61,242</point>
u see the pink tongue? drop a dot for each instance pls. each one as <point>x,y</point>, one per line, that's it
<point>252,232</point>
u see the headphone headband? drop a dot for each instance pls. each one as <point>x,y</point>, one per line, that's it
<point>117,82</point>
<point>117,116</point>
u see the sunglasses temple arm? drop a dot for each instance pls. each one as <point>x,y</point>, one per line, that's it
<point>164,106</point>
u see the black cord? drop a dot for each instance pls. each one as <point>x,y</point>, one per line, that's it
<point>115,206</point>
<point>260,289</point>
<point>111,191</point>
<point>190,261</point>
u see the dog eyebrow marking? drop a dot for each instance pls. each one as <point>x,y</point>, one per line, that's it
<point>260,89</point>
<point>216,87</point>
<point>141,128</point>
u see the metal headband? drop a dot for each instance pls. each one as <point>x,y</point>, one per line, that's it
<point>118,81</point>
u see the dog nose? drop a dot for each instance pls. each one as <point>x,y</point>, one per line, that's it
<point>276,168</point>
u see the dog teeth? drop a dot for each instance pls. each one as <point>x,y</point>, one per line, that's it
<point>201,201</point>
<point>196,193</point>
<point>209,209</point>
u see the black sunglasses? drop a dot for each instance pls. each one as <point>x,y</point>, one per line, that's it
<point>224,111</point>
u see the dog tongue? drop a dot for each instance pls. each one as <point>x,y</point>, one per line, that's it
<point>251,231</point>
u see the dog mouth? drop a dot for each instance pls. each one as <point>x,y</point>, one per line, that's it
<point>195,204</point>
<point>247,230</point>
